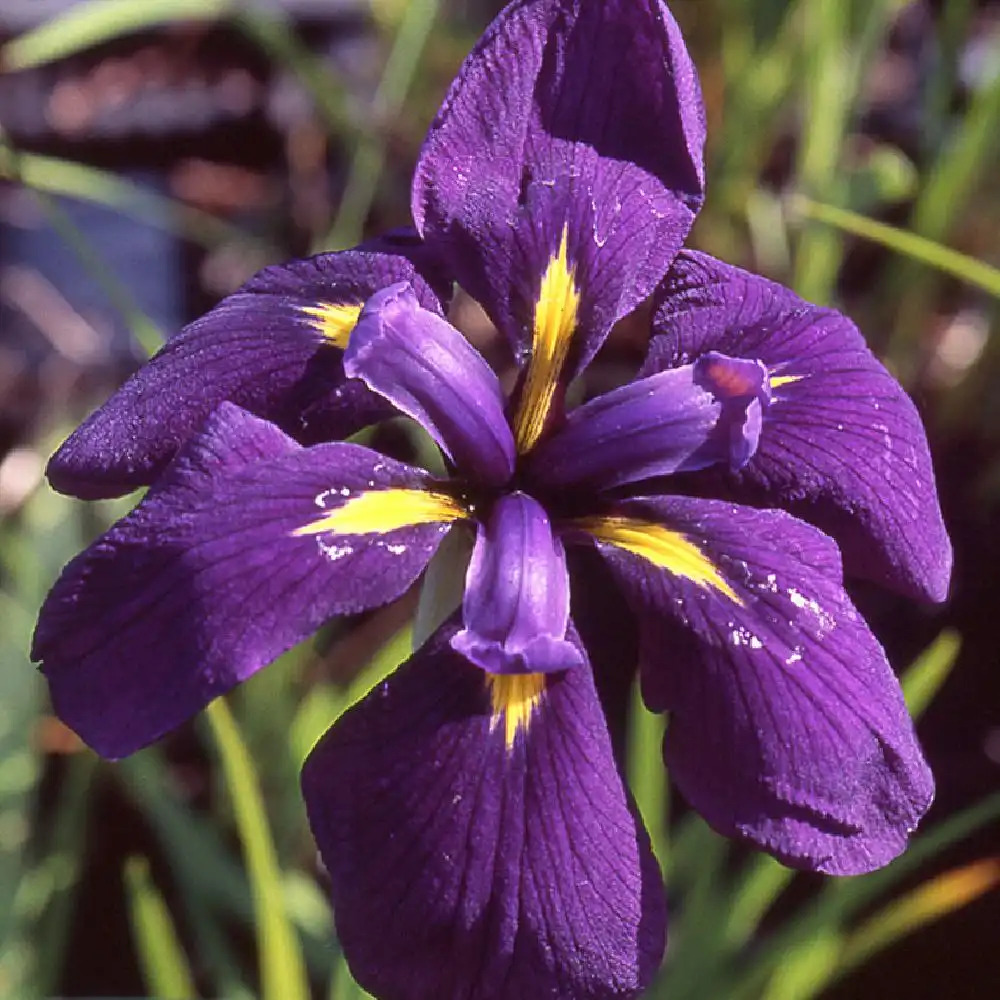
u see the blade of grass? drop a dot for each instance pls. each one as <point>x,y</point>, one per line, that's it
<point>909,244</point>
<point>164,965</point>
<point>832,954</point>
<point>762,882</point>
<point>805,973</point>
<point>75,180</point>
<point>961,167</point>
<point>696,879</point>
<point>282,967</point>
<point>936,898</point>
<point>828,99</point>
<point>47,896</point>
<point>343,985</point>
<point>212,888</point>
<point>263,707</point>
<point>369,158</point>
<point>840,900</point>
<point>86,24</point>
<point>203,865</point>
<point>145,331</point>
<point>20,764</point>
<point>841,38</point>
<point>272,31</point>
<point>924,677</point>
<point>647,777</point>
<point>759,78</point>
<point>325,703</point>
<point>951,33</point>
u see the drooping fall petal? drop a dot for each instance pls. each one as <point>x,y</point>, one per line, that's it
<point>469,857</point>
<point>786,723</point>
<point>244,548</point>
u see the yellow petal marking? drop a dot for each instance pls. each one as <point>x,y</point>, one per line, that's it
<point>776,381</point>
<point>514,697</point>
<point>334,320</point>
<point>670,550</point>
<point>381,511</point>
<point>554,324</point>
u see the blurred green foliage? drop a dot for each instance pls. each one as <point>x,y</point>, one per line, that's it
<point>778,74</point>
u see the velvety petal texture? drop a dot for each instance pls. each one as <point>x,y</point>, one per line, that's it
<point>678,420</point>
<point>428,370</point>
<point>516,604</point>
<point>464,868</point>
<point>274,348</point>
<point>787,725</point>
<point>211,577</point>
<point>570,120</point>
<point>841,444</point>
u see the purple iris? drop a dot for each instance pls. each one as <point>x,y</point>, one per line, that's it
<point>479,840</point>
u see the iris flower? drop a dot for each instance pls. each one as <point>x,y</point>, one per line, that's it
<point>478,837</point>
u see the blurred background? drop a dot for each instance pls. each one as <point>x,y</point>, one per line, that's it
<point>154,155</point>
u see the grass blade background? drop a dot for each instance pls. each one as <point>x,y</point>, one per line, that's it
<point>368,162</point>
<point>908,244</point>
<point>282,968</point>
<point>164,964</point>
<point>86,24</point>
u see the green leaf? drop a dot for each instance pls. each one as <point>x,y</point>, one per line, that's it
<point>925,251</point>
<point>825,77</point>
<point>86,24</point>
<point>76,180</point>
<point>936,898</point>
<point>806,972</point>
<point>368,162</point>
<point>443,585</point>
<point>343,985</point>
<point>164,965</point>
<point>282,967</point>
<point>885,176</point>
<point>647,777</point>
<point>145,331</point>
<point>325,703</point>
<point>929,671</point>
<point>46,896</point>
<point>762,882</point>
<point>212,886</point>
<point>841,899</point>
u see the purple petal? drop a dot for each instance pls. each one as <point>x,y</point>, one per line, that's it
<point>427,369</point>
<point>463,866</point>
<point>224,566</point>
<point>568,118</point>
<point>678,420</point>
<point>274,348</point>
<point>787,725</point>
<point>841,445</point>
<point>516,605</point>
